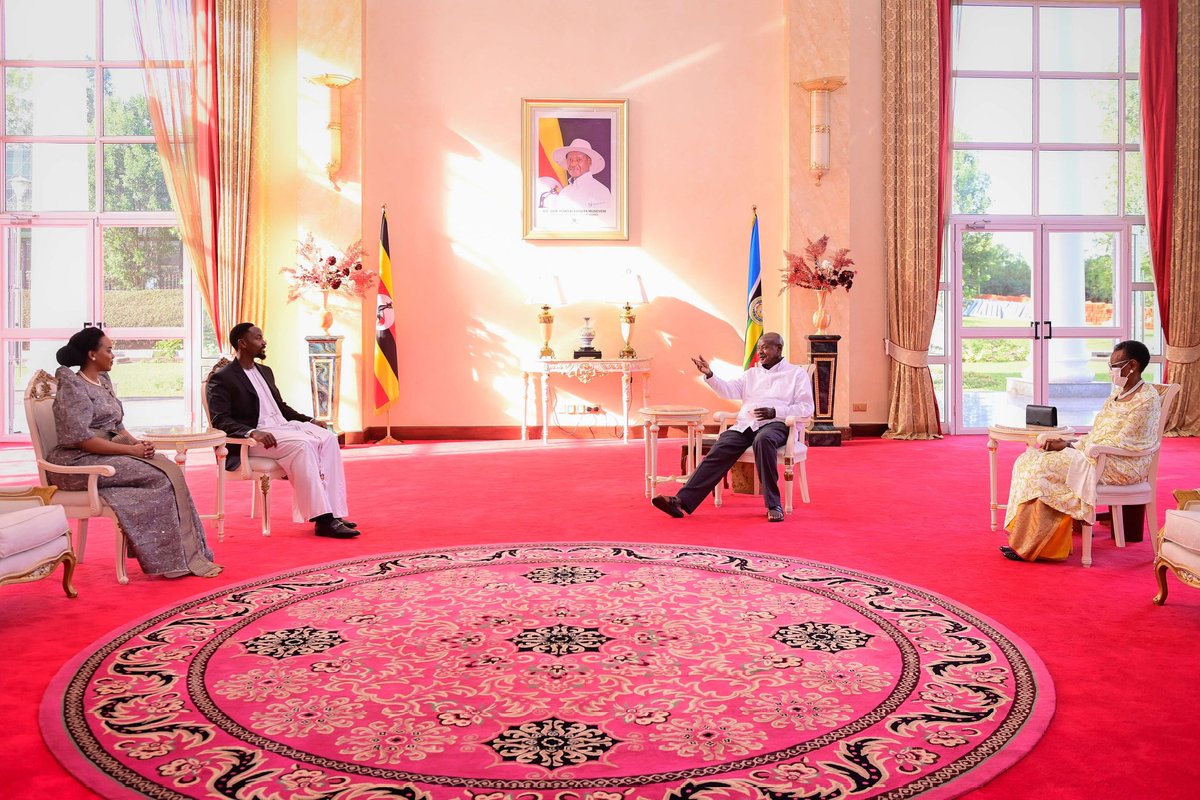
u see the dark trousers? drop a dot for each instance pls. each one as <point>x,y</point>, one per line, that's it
<point>729,446</point>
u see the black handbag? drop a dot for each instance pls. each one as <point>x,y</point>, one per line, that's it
<point>1041,416</point>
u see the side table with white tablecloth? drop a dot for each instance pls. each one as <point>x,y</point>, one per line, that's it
<point>1006,433</point>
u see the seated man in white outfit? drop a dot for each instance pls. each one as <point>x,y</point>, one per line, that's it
<point>771,391</point>
<point>244,402</point>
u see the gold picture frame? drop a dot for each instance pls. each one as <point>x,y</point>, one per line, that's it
<point>574,169</point>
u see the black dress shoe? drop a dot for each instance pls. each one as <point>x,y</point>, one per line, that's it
<point>668,504</point>
<point>334,529</point>
<point>1009,553</point>
<point>346,522</point>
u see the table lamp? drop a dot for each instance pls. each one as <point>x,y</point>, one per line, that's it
<point>546,293</point>
<point>633,293</point>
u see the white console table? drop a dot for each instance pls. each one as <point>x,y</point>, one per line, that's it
<point>583,370</point>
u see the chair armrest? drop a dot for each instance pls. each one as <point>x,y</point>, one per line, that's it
<point>1042,438</point>
<point>243,469</point>
<point>93,469</point>
<point>722,416</point>
<point>801,421</point>
<point>1095,451</point>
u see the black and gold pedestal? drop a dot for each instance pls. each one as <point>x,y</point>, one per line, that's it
<point>325,375</point>
<point>823,352</point>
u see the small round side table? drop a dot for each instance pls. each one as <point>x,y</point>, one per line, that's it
<point>180,439</point>
<point>1005,433</point>
<point>655,417</point>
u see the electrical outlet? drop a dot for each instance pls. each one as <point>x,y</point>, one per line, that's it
<point>592,409</point>
<point>858,406</point>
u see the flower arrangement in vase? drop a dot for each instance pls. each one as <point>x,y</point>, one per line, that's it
<point>317,272</point>
<point>813,271</point>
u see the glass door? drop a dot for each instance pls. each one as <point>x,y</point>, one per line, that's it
<point>48,296</point>
<point>1083,316</point>
<point>1040,309</point>
<point>998,296</point>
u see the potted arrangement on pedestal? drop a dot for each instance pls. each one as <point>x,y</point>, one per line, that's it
<point>822,275</point>
<point>315,273</point>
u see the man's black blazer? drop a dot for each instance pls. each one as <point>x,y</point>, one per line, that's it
<point>233,405</point>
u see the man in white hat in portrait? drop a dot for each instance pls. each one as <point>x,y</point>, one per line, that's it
<point>582,191</point>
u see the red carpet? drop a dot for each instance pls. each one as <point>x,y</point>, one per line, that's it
<point>914,512</point>
<point>534,669</point>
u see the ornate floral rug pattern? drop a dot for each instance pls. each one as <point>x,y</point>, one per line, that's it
<point>552,672</point>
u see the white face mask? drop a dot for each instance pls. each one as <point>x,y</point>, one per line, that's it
<point>1118,379</point>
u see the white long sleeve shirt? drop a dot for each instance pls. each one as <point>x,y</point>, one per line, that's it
<point>784,387</point>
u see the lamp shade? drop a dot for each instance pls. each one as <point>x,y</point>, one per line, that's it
<point>546,291</point>
<point>627,288</point>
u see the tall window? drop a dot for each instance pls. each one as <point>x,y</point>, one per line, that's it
<point>88,231</point>
<point>1049,261</point>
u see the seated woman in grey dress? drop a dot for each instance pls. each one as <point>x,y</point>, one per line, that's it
<point>147,493</point>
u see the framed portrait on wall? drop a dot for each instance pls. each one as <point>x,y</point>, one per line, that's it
<point>574,169</point>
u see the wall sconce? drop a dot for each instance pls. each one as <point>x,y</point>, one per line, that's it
<point>819,90</point>
<point>334,83</point>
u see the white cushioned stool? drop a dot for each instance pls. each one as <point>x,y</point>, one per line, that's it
<point>34,540</point>
<point>1177,548</point>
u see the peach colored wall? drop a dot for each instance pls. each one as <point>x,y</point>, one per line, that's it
<point>706,84</point>
<point>842,39</point>
<point>306,38</point>
<point>434,131</point>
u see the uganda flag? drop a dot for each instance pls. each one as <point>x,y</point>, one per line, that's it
<point>754,315</point>
<point>387,384</point>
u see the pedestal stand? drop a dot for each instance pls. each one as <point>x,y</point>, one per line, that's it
<point>325,375</point>
<point>823,351</point>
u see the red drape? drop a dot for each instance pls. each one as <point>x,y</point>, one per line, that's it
<point>1160,27</point>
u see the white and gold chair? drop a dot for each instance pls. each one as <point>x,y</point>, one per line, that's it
<point>1177,545</point>
<point>81,505</point>
<point>259,469</point>
<point>1142,493</point>
<point>34,538</point>
<point>792,455</point>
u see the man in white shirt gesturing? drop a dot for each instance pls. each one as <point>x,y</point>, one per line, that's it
<point>244,402</point>
<point>770,391</point>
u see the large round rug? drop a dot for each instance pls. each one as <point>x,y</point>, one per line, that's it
<point>552,672</point>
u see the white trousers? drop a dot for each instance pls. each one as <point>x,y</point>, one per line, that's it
<point>310,457</point>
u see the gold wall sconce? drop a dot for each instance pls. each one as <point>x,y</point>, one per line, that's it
<point>335,84</point>
<point>819,90</point>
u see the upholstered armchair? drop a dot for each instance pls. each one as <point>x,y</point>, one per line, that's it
<point>1142,493</point>
<point>80,506</point>
<point>34,539</point>
<point>260,470</point>
<point>792,456</point>
<point>1177,545</point>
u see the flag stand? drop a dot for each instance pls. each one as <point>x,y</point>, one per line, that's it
<point>387,439</point>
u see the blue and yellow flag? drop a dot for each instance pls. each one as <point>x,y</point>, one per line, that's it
<point>754,313</point>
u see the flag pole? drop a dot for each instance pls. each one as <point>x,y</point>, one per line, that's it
<point>388,438</point>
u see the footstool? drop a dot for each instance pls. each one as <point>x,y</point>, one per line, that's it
<point>1178,549</point>
<point>34,540</point>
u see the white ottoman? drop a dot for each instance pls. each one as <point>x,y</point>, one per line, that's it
<point>1178,550</point>
<point>33,541</point>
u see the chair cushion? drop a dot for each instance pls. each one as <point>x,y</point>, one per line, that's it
<point>1183,528</point>
<point>1131,493</point>
<point>30,527</point>
<point>267,466</point>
